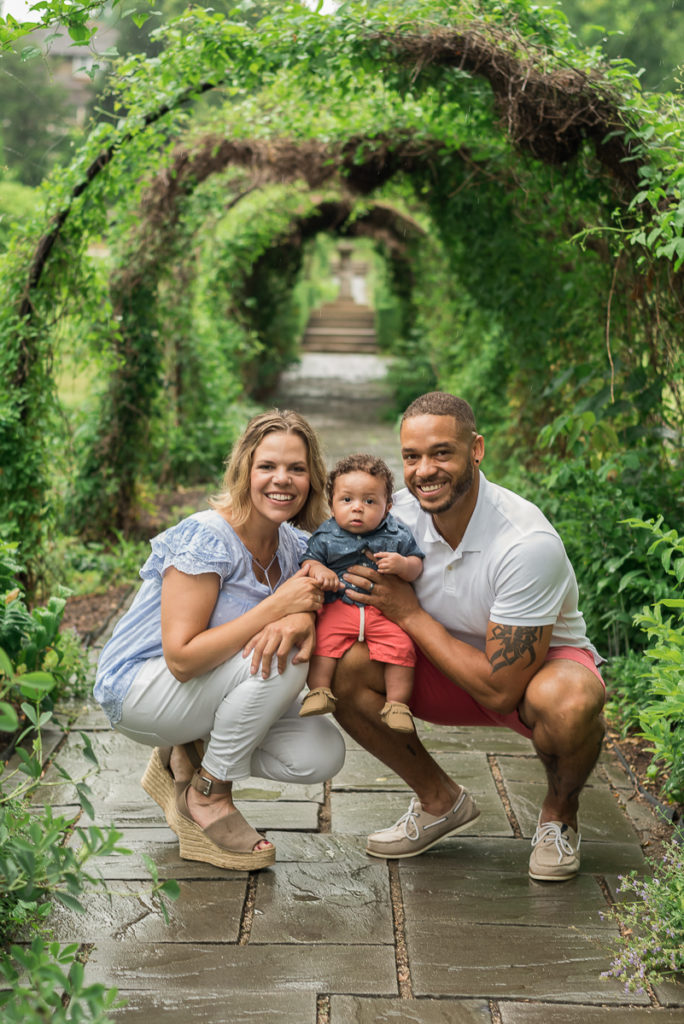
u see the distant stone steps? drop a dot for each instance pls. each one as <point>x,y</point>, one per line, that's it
<point>341,326</point>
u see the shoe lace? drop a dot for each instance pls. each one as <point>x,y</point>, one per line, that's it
<point>410,821</point>
<point>551,833</point>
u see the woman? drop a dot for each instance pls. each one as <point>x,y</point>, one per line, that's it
<point>221,584</point>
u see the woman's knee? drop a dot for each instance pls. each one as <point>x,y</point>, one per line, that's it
<point>302,751</point>
<point>325,751</point>
<point>290,681</point>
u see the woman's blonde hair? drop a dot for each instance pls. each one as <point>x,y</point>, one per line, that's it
<point>235,488</point>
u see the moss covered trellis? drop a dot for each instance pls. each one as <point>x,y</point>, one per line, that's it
<point>500,134</point>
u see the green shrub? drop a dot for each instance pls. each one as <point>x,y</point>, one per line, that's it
<point>17,202</point>
<point>661,718</point>
<point>651,944</point>
<point>628,690</point>
<point>31,643</point>
<point>43,857</point>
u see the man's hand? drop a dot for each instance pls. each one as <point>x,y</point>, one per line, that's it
<point>278,639</point>
<point>395,598</point>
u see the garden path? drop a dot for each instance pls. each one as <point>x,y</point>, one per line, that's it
<point>329,936</point>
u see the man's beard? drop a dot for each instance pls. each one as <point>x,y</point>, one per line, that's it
<point>457,490</point>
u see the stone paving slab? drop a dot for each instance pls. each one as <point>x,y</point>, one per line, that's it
<point>190,970</point>
<point>601,817</point>
<point>363,771</point>
<point>318,902</point>
<point>122,763</point>
<point>487,740</point>
<point>526,1013</point>
<point>307,847</point>
<point>363,812</point>
<point>671,993</point>
<point>551,964</point>
<point>356,1010</point>
<point>217,1007</point>
<point>161,845</point>
<point>205,911</point>
<point>469,853</point>
<point>435,897</point>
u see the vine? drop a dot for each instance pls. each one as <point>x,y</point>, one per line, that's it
<point>510,138</point>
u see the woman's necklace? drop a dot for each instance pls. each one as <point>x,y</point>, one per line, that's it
<point>266,568</point>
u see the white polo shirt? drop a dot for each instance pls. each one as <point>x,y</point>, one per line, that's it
<point>510,567</point>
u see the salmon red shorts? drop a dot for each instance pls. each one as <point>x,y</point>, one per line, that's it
<point>439,700</point>
<point>340,625</point>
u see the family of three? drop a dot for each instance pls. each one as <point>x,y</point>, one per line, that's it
<point>458,607</point>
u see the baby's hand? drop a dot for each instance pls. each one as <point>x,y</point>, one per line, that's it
<point>324,577</point>
<point>388,561</point>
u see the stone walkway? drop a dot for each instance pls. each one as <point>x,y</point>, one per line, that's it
<point>331,936</point>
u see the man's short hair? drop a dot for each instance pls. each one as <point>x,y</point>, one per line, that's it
<point>439,403</point>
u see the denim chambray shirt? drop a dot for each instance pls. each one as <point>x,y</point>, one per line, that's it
<point>204,542</point>
<point>339,549</point>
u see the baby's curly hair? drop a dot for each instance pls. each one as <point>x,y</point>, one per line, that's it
<point>364,464</point>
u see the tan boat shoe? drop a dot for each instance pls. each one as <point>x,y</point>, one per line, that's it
<point>555,852</point>
<point>416,831</point>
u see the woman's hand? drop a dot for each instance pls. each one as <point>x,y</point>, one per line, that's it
<point>395,598</point>
<point>192,649</point>
<point>301,593</point>
<point>278,639</point>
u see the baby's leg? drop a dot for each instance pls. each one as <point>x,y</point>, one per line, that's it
<point>319,700</point>
<point>398,683</point>
<point>321,671</point>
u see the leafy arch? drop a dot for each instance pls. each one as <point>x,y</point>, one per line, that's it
<point>536,99</point>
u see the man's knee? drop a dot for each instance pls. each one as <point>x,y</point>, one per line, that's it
<point>356,673</point>
<point>564,697</point>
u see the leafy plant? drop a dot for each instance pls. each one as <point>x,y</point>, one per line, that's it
<point>43,857</point>
<point>34,654</point>
<point>628,690</point>
<point>650,916</point>
<point>47,983</point>
<point>661,718</point>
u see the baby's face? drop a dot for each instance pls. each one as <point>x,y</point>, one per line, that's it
<point>359,503</point>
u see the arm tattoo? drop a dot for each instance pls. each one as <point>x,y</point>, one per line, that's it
<point>515,643</point>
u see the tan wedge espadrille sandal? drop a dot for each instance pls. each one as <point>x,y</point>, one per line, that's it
<point>159,783</point>
<point>228,842</point>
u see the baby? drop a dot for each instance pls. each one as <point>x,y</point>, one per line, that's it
<point>361,532</point>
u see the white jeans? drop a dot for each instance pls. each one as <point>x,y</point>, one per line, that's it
<point>250,725</point>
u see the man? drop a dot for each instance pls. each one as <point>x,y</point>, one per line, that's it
<point>499,636</point>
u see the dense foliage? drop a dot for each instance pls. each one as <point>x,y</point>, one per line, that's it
<point>523,195</point>
<point>44,857</point>
<point>365,102</point>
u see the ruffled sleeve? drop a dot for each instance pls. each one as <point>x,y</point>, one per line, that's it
<point>192,547</point>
